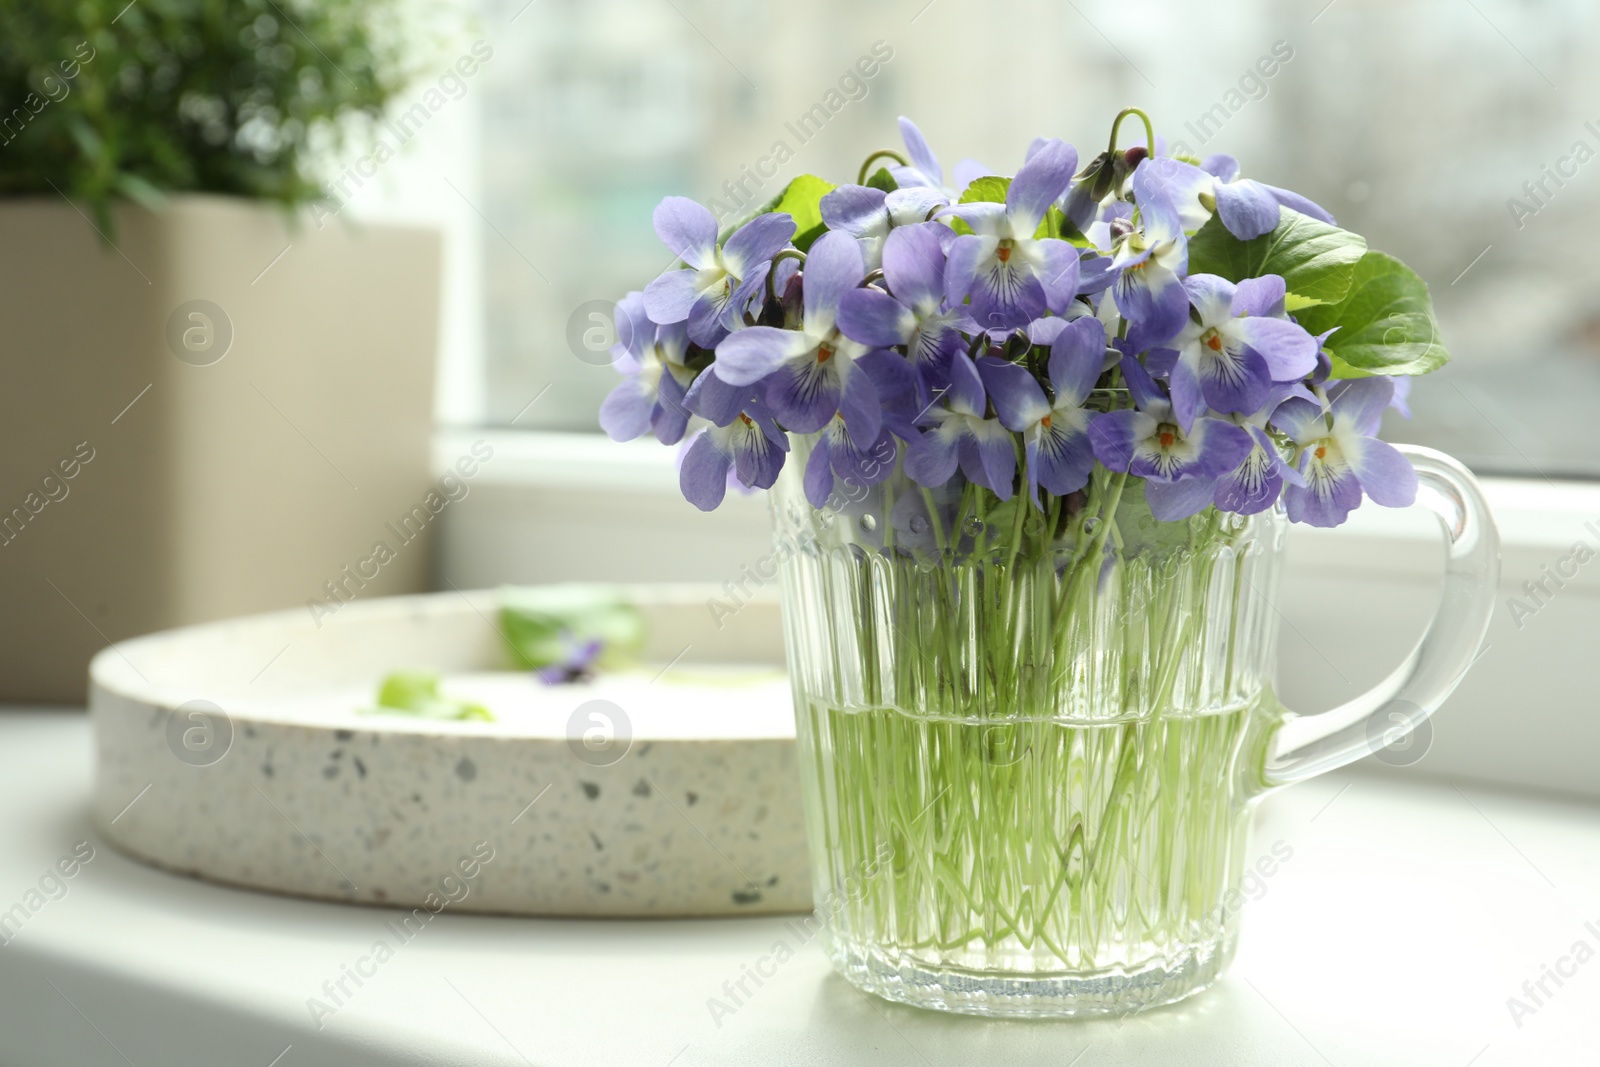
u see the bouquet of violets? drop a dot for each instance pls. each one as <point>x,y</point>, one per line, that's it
<point>1061,410</point>
<point>1161,318</point>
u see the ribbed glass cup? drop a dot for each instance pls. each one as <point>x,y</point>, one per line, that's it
<point>1028,741</point>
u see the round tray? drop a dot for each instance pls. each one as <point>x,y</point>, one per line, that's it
<point>235,751</point>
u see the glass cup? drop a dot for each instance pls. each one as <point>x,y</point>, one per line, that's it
<point>1031,743</point>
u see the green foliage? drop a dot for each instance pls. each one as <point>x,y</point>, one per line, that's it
<point>802,200</point>
<point>990,190</point>
<point>1381,307</point>
<point>540,625</point>
<point>1317,261</point>
<point>882,179</point>
<point>1142,532</point>
<point>416,692</point>
<point>986,190</point>
<point>1056,224</point>
<point>1386,323</point>
<point>101,99</point>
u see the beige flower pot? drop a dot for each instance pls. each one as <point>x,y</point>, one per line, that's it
<point>165,462</point>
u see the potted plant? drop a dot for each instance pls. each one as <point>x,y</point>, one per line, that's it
<point>213,404</point>
<point>1033,443</point>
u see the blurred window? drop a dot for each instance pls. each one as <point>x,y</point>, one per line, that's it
<point>1453,135</point>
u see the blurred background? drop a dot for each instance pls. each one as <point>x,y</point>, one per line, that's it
<point>1447,132</point>
<point>475,182</point>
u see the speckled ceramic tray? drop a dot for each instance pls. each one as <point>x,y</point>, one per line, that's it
<point>236,752</point>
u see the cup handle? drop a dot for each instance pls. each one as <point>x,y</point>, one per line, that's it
<point>1304,746</point>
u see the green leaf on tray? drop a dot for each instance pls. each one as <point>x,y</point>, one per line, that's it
<point>542,624</point>
<point>1386,323</point>
<point>416,693</point>
<point>1317,261</point>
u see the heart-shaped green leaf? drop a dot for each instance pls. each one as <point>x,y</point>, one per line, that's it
<point>1315,260</point>
<point>1386,323</point>
<point>989,190</point>
<point>802,201</point>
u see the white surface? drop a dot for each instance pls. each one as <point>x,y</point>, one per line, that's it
<point>1407,915</point>
<point>1353,600</point>
<point>678,703</point>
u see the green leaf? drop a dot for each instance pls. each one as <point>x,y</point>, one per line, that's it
<point>541,624</point>
<point>802,200</point>
<point>1316,260</point>
<point>1056,224</point>
<point>325,74</point>
<point>882,179</point>
<point>1142,532</point>
<point>990,190</point>
<point>1386,323</point>
<point>137,189</point>
<point>416,692</point>
<point>408,689</point>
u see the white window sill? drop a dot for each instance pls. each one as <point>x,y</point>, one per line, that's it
<point>558,507</point>
<point>1367,945</point>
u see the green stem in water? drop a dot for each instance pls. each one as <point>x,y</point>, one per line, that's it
<point>1016,766</point>
<point>933,517</point>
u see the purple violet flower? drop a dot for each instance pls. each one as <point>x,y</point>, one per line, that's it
<point>1078,203</point>
<point>1248,208</point>
<point>576,665</point>
<point>913,312</point>
<point>650,396</point>
<point>720,283</point>
<point>1257,482</point>
<point>924,169</point>
<point>1233,402</point>
<point>1180,467</point>
<point>961,436</point>
<point>810,374</point>
<point>1247,191</point>
<point>1152,257</point>
<point>1055,432</point>
<point>868,214</point>
<point>1402,394</point>
<point>716,401</point>
<point>1011,276</point>
<point>751,445</point>
<point>1340,458</point>
<point>902,394</point>
<point>834,456</point>
<point>1231,350</point>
